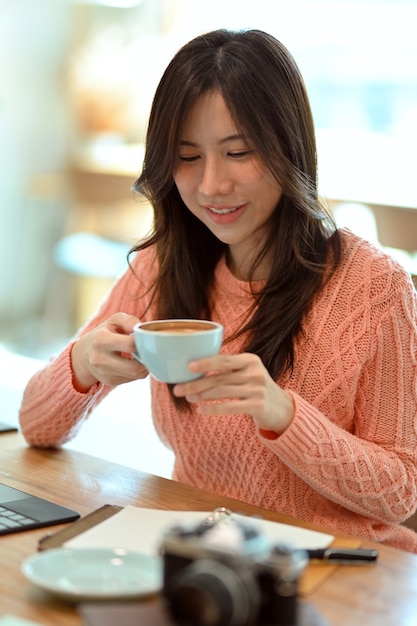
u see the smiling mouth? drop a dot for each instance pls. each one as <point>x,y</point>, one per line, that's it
<point>223,211</point>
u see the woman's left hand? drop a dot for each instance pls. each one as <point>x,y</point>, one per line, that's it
<point>243,385</point>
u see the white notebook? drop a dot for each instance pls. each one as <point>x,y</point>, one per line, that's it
<point>141,529</point>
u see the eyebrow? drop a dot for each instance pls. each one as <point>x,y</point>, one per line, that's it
<point>185,142</point>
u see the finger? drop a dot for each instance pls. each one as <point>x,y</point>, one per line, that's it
<point>129,370</point>
<point>222,363</point>
<point>110,339</point>
<point>126,345</point>
<point>117,369</point>
<point>123,323</point>
<point>195,387</point>
<point>224,394</point>
<point>216,383</point>
<point>217,388</point>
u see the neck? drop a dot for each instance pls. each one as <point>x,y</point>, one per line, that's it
<point>242,268</point>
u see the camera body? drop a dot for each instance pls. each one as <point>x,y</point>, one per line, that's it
<point>225,573</point>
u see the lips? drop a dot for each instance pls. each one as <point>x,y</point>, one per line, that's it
<point>224,215</point>
<point>224,211</point>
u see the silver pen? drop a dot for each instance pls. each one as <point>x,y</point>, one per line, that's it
<point>344,556</point>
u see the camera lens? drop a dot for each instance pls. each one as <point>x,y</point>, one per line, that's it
<point>208,593</point>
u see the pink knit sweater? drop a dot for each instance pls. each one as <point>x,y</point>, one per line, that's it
<point>348,461</point>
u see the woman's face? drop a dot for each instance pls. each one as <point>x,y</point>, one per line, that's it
<point>223,181</point>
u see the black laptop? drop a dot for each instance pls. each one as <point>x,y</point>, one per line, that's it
<point>22,511</point>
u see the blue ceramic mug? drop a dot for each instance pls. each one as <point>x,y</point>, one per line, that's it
<point>165,347</point>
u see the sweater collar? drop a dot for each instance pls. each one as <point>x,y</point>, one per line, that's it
<point>227,282</point>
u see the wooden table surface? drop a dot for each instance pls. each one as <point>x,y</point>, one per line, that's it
<point>380,595</point>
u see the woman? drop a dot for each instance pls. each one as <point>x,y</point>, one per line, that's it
<point>310,409</point>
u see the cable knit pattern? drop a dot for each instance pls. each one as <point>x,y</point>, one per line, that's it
<point>348,461</point>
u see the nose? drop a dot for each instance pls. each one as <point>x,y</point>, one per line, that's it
<point>215,178</point>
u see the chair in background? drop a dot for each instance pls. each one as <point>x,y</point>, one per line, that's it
<point>359,218</point>
<point>397,227</point>
<point>392,228</point>
<point>397,232</point>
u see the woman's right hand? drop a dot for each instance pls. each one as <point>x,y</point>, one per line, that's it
<point>104,354</point>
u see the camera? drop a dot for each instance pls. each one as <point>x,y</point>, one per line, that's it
<point>224,572</point>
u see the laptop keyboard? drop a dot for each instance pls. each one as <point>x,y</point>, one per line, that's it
<point>11,519</point>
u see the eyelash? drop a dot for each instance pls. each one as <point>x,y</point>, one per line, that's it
<point>233,155</point>
<point>188,159</point>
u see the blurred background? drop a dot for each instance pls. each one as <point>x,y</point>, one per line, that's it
<point>77,80</point>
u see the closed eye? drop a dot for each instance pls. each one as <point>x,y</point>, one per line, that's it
<point>188,159</point>
<point>241,154</point>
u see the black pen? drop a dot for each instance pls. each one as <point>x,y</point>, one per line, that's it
<point>344,556</point>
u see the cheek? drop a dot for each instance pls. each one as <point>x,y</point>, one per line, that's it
<point>185,191</point>
<point>183,184</point>
<point>271,191</point>
<point>267,190</point>
<point>274,194</point>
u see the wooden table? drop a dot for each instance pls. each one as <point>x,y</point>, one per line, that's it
<point>385,594</point>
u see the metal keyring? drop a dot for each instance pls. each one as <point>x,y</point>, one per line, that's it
<point>218,516</point>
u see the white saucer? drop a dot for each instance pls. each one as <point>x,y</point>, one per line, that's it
<point>95,573</point>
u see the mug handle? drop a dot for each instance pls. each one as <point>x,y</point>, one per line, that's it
<point>136,356</point>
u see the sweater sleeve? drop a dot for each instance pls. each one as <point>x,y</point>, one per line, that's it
<point>52,410</point>
<point>369,464</point>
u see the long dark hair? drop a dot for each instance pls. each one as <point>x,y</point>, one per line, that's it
<point>265,94</point>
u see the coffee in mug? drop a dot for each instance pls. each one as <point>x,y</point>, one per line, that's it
<point>165,347</point>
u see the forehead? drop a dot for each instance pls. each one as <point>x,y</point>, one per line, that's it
<point>209,117</point>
